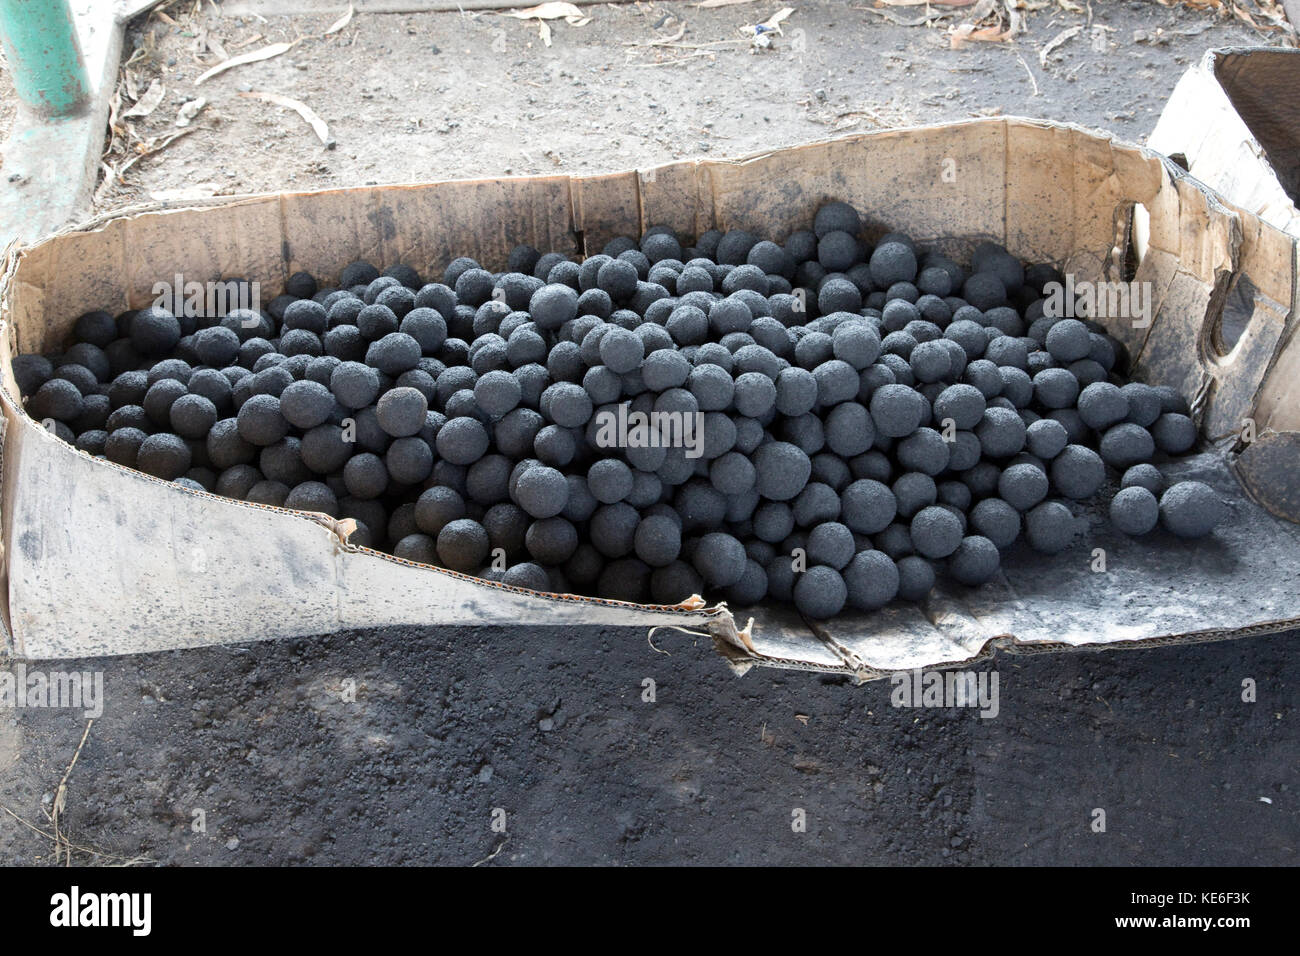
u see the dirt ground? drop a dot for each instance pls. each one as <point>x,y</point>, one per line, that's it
<point>412,97</point>
<point>451,725</point>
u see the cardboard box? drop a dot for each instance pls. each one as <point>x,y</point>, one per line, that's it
<point>99,559</point>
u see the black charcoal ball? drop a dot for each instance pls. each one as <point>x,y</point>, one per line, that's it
<point>915,578</point>
<point>925,450</point>
<point>675,583</point>
<point>831,543</point>
<point>541,491</point>
<point>996,520</point>
<point>820,592</point>
<point>1077,472</point>
<point>897,410</point>
<point>306,404</point>
<point>123,445</point>
<point>936,532</point>
<point>164,455</point>
<point>1125,445</point>
<point>216,346</point>
<point>365,476</point>
<point>963,404</point>
<point>1134,510</point>
<point>1023,486</point>
<point>394,354</point>
<point>566,404</point>
<point>271,493</point>
<point>401,412</point>
<point>354,384</point>
<point>61,400</point>
<point>892,262</point>
<point>836,216</point>
<point>283,462</point>
<point>975,561</point>
<point>312,496</point>
<point>868,506</point>
<point>409,460</point>
<point>420,548</point>
<point>192,416</point>
<point>1191,509</point>
<point>658,541</point>
<point>720,559</point>
<point>260,420</point>
<point>1049,528</point>
<point>33,371</point>
<point>1174,433</point>
<point>781,469</point>
<point>1046,438</point>
<point>237,481</point>
<point>462,441</point>
<point>871,579</point>
<point>1143,403</point>
<point>1055,388</point>
<point>1101,405</point>
<point>324,449</point>
<point>437,507</point>
<point>527,575</point>
<point>1068,341</point>
<point>612,529</point>
<point>154,331</point>
<point>1001,433</point>
<point>462,545</point>
<point>1144,476</point>
<point>912,492</point>
<point>552,541</point>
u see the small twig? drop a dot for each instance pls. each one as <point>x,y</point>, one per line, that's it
<point>124,860</point>
<point>61,796</point>
<point>1029,71</point>
<point>491,856</point>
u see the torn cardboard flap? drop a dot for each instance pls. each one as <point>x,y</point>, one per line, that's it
<point>99,559</point>
<point>1233,121</point>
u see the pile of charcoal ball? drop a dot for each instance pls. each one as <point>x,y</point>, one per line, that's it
<point>869,415</point>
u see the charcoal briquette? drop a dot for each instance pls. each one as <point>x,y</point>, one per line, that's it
<point>1191,509</point>
<point>462,545</point>
<point>1049,527</point>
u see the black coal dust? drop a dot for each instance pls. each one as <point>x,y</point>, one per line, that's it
<point>825,420</point>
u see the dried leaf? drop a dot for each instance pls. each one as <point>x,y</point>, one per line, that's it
<point>265,53</point>
<point>1056,41</point>
<point>544,32</point>
<point>708,4</point>
<point>959,35</point>
<point>149,102</point>
<point>774,21</point>
<point>548,11</point>
<point>302,109</point>
<point>341,22</point>
<point>152,147</point>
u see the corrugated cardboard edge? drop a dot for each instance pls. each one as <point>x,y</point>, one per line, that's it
<point>1096,176</point>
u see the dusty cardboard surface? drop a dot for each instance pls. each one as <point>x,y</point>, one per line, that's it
<point>100,560</point>
<point>1246,575</point>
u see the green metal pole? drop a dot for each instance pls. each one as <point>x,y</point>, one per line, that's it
<point>40,43</point>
